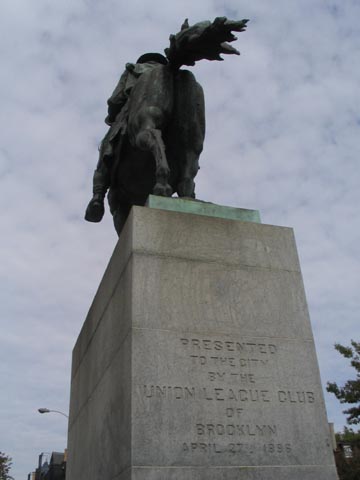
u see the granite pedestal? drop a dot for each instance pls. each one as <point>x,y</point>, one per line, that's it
<point>197,360</point>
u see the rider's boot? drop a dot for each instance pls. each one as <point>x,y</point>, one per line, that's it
<point>95,209</point>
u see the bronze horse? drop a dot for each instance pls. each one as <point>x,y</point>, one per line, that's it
<point>158,136</point>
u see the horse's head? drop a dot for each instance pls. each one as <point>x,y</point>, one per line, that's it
<point>203,40</point>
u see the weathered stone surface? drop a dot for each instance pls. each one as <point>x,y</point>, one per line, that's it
<point>197,361</point>
<point>230,473</point>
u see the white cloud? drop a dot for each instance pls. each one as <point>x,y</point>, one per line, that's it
<point>282,136</point>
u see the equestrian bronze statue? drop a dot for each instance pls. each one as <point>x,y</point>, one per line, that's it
<point>156,116</point>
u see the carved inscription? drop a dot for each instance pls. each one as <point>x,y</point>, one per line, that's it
<point>295,397</point>
<point>216,361</point>
<point>169,392</point>
<point>220,394</point>
<point>230,346</point>
<point>231,429</point>
<point>238,448</point>
<point>241,395</point>
<point>228,361</point>
<point>235,386</point>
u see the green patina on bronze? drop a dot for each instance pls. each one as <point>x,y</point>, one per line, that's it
<point>197,207</point>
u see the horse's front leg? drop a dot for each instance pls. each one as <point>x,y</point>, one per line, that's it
<point>149,138</point>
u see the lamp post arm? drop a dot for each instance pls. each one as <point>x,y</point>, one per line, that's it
<point>46,410</point>
<point>61,413</point>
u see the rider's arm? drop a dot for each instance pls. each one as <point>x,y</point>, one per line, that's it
<point>117,99</point>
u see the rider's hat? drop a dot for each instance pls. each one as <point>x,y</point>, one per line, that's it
<point>152,57</point>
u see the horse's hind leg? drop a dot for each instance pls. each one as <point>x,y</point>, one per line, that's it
<point>187,131</point>
<point>150,139</point>
<point>151,105</point>
<point>186,186</point>
<point>120,215</point>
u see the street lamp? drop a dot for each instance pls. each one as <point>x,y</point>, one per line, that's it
<point>46,410</point>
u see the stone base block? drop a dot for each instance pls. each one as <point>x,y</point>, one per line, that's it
<point>196,360</point>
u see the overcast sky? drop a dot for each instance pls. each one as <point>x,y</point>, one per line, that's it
<point>283,124</point>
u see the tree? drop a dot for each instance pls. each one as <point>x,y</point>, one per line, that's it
<point>350,392</point>
<point>347,455</point>
<point>348,435</point>
<point>5,465</point>
<point>348,469</point>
